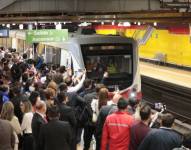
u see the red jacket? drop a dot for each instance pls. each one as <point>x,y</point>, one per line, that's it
<point>116,131</point>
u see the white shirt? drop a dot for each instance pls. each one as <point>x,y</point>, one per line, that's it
<point>94,106</point>
<point>16,125</point>
<point>26,123</point>
<point>110,103</point>
<point>78,86</point>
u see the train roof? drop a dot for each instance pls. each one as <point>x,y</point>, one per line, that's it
<point>85,39</point>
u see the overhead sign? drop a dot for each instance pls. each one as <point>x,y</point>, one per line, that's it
<point>52,35</point>
<point>4,33</point>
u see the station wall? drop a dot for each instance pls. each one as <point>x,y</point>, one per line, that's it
<point>176,46</point>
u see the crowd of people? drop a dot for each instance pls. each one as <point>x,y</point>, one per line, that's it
<point>47,108</point>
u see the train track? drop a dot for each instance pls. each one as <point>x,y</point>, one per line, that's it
<point>176,98</point>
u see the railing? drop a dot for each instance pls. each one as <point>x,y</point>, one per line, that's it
<point>142,36</point>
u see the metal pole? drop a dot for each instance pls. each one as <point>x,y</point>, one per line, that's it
<point>149,4</point>
<point>75,5</point>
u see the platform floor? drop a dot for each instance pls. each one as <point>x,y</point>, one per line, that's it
<point>171,75</point>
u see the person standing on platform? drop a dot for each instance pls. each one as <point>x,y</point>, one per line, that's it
<point>116,130</point>
<point>38,120</point>
<point>140,128</point>
<point>7,113</point>
<point>164,138</point>
<point>27,141</point>
<point>55,135</point>
<point>67,114</point>
<point>7,139</point>
<point>104,112</point>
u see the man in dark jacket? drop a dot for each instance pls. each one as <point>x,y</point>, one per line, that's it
<point>56,135</point>
<point>140,128</point>
<point>16,71</point>
<point>89,127</point>
<point>164,138</point>
<point>7,139</point>
<point>37,121</point>
<point>67,114</point>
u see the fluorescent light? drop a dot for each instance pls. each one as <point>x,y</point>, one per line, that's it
<point>21,26</point>
<point>138,23</point>
<point>127,24</point>
<point>59,26</point>
<point>102,23</point>
<point>120,24</point>
<point>13,24</point>
<point>3,24</point>
<point>8,25</point>
<point>155,23</point>
<point>84,24</point>
<point>35,23</point>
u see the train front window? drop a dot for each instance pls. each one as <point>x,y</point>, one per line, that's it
<point>110,64</point>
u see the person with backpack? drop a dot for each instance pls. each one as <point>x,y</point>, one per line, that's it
<point>94,106</point>
<point>67,114</point>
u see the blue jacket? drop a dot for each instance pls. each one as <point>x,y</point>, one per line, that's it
<point>5,96</point>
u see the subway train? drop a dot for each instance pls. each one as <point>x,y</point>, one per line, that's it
<point>112,60</point>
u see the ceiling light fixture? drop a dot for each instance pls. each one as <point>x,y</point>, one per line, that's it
<point>59,26</point>
<point>8,25</point>
<point>84,24</point>
<point>127,24</point>
<point>120,24</point>
<point>155,24</point>
<point>35,23</point>
<point>21,26</point>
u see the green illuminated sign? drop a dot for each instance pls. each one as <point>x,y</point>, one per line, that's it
<point>52,35</point>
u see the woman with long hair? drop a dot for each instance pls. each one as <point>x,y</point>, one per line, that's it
<point>103,97</point>
<point>26,108</point>
<point>101,100</point>
<point>7,113</point>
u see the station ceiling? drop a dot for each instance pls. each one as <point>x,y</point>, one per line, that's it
<point>164,11</point>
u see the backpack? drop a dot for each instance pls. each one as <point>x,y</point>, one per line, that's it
<point>86,116</point>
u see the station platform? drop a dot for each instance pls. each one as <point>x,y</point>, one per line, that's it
<point>167,74</point>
